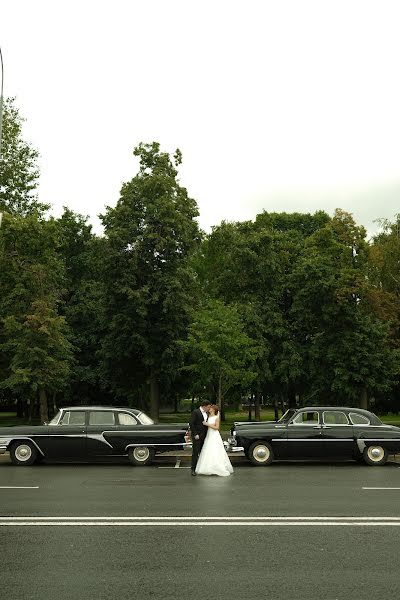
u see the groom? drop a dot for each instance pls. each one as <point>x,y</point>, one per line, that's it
<point>198,430</point>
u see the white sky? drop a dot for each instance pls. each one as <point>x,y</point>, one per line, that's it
<point>276,105</point>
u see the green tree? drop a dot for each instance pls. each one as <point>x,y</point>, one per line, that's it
<point>385,256</point>
<point>384,293</point>
<point>220,353</point>
<point>19,173</point>
<point>33,336</point>
<point>83,255</point>
<point>40,352</point>
<point>345,346</point>
<point>149,285</point>
<point>384,273</point>
<point>250,264</point>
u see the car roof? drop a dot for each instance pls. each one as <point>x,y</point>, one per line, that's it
<point>360,411</point>
<point>134,411</point>
<point>348,408</point>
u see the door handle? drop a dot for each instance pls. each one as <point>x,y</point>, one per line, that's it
<point>317,427</point>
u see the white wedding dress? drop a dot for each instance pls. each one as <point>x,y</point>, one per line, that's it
<point>213,459</point>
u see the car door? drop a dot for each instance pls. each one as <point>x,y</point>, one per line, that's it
<point>101,425</point>
<point>304,436</point>
<point>337,433</point>
<point>67,440</point>
<point>128,432</point>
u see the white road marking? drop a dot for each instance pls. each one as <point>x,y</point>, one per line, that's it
<point>381,488</point>
<point>201,519</point>
<point>19,487</point>
<point>164,521</point>
<point>201,523</point>
<point>175,467</point>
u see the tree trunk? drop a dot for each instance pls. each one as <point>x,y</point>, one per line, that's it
<point>364,399</point>
<point>291,398</point>
<point>192,406</point>
<point>221,401</point>
<point>276,411</point>
<point>176,402</point>
<point>54,408</point>
<point>20,408</point>
<point>283,407</point>
<point>257,411</point>
<point>154,398</point>
<point>44,410</point>
<point>31,405</point>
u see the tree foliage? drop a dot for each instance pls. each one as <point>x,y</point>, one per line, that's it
<point>19,172</point>
<point>220,352</point>
<point>151,234</point>
<point>33,336</point>
<point>295,308</point>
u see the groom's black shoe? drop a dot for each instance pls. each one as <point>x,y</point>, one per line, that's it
<point>193,473</point>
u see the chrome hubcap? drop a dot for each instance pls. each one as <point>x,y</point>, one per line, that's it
<point>376,453</point>
<point>23,452</point>
<point>141,454</point>
<point>261,453</point>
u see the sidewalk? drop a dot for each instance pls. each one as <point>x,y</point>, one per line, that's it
<point>186,454</point>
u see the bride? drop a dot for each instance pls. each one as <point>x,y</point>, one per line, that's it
<point>213,459</point>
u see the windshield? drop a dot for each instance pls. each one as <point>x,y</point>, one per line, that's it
<point>145,420</point>
<point>55,419</point>
<point>285,418</point>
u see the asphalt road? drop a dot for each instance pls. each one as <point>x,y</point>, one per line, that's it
<point>288,531</point>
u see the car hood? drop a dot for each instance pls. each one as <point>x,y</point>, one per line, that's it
<point>252,423</point>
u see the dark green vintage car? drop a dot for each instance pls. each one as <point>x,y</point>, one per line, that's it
<point>90,433</point>
<point>317,433</point>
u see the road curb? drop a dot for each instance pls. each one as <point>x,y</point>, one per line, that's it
<point>184,454</point>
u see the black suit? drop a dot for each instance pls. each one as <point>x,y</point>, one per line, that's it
<point>197,428</point>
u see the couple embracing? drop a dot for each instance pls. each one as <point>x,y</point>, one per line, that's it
<point>209,456</point>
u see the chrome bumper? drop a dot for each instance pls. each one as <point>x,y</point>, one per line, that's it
<point>3,449</point>
<point>235,449</point>
<point>230,446</point>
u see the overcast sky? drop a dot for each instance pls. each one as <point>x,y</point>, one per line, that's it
<point>276,105</point>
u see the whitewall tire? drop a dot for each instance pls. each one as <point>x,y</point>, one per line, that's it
<point>141,455</point>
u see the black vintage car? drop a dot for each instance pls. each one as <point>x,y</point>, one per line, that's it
<point>86,433</point>
<point>317,433</point>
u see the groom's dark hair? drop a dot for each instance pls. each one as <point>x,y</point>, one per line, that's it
<point>205,403</point>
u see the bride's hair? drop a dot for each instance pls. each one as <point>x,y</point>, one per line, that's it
<point>215,408</point>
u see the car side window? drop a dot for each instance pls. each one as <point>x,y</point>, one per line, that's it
<point>126,419</point>
<point>357,419</point>
<point>334,417</point>
<point>73,417</point>
<point>306,418</point>
<point>101,417</point>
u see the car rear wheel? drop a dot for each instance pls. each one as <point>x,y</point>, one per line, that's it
<point>260,454</point>
<point>23,453</point>
<point>375,455</point>
<point>141,455</point>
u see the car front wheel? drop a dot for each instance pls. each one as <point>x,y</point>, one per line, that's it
<point>23,454</point>
<point>375,455</point>
<point>141,455</point>
<point>260,454</point>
